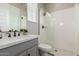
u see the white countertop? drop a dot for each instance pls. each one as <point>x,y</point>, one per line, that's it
<point>7,42</point>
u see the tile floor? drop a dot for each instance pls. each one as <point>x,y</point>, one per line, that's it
<point>60,52</point>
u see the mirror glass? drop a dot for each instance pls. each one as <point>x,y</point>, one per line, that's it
<point>12,16</point>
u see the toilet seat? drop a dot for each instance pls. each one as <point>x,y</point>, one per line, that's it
<point>45,47</point>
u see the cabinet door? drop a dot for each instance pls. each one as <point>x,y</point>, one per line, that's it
<point>23,53</point>
<point>33,51</point>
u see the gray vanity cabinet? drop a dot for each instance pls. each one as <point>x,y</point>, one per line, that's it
<point>32,51</point>
<point>28,48</point>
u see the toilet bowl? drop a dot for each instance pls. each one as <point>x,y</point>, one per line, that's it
<point>44,49</point>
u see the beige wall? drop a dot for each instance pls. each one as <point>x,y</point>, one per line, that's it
<point>52,7</point>
<point>21,6</point>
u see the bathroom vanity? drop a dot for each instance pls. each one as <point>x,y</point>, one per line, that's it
<point>19,46</point>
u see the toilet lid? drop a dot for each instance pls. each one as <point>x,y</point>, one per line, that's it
<point>44,46</point>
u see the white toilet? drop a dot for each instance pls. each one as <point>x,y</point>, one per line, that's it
<point>44,49</point>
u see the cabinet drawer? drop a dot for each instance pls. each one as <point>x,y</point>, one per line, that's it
<point>14,50</point>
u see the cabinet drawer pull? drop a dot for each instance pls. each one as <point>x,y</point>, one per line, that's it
<point>29,54</point>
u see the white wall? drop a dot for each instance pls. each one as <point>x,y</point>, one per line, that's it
<point>64,29</point>
<point>32,27</point>
<point>43,32</point>
<point>77,28</point>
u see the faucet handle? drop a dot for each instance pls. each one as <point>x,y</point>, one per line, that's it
<point>9,35</point>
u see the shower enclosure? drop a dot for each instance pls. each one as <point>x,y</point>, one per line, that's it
<point>59,27</point>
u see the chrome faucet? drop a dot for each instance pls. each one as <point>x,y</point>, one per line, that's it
<point>15,33</point>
